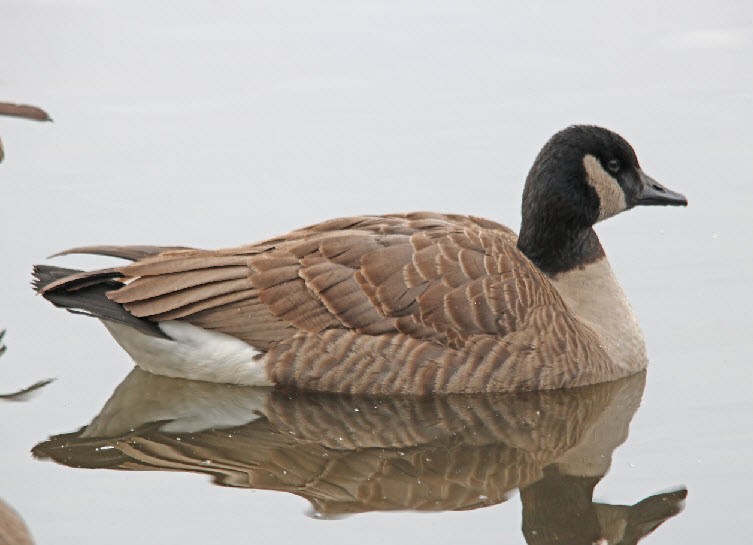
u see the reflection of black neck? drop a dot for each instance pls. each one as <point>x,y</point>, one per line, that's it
<point>559,509</point>
<point>555,249</point>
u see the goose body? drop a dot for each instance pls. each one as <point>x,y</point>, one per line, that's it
<point>397,304</point>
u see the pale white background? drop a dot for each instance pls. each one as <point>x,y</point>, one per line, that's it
<point>217,123</point>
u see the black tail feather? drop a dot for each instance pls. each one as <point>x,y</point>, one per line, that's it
<point>44,275</point>
<point>86,293</point>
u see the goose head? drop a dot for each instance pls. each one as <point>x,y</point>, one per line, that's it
<point>583,175</point>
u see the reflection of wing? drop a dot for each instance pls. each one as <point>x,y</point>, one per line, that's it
<point>24,393</point>
<point>347,454</point>
<point>412,303</point>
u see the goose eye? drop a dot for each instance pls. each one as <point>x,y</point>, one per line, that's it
<point>614,166</point>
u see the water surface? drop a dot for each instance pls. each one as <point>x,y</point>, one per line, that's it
<point>214,125</point>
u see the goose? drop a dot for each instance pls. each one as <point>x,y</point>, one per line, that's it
<point>416,303</point>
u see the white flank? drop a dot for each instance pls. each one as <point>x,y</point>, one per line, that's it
<point>192,352</point>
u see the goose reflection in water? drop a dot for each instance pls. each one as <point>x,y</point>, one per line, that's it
<point>355,454</point>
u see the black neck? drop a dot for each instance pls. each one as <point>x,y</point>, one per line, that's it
<point>556,249</point>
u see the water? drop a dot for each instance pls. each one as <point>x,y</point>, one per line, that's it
<point>214,125</point>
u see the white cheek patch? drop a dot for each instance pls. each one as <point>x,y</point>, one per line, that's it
<point>611,196</point>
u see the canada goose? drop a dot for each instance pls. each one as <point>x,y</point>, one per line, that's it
<point>398,304</point>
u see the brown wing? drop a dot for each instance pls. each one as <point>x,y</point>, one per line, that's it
<point>432,276</point>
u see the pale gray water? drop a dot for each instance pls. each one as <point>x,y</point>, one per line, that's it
<point>216,124</point>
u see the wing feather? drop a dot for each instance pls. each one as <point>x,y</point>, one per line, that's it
<point>162,303</point>
<point>443,278</point>
<point>156,286</point>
